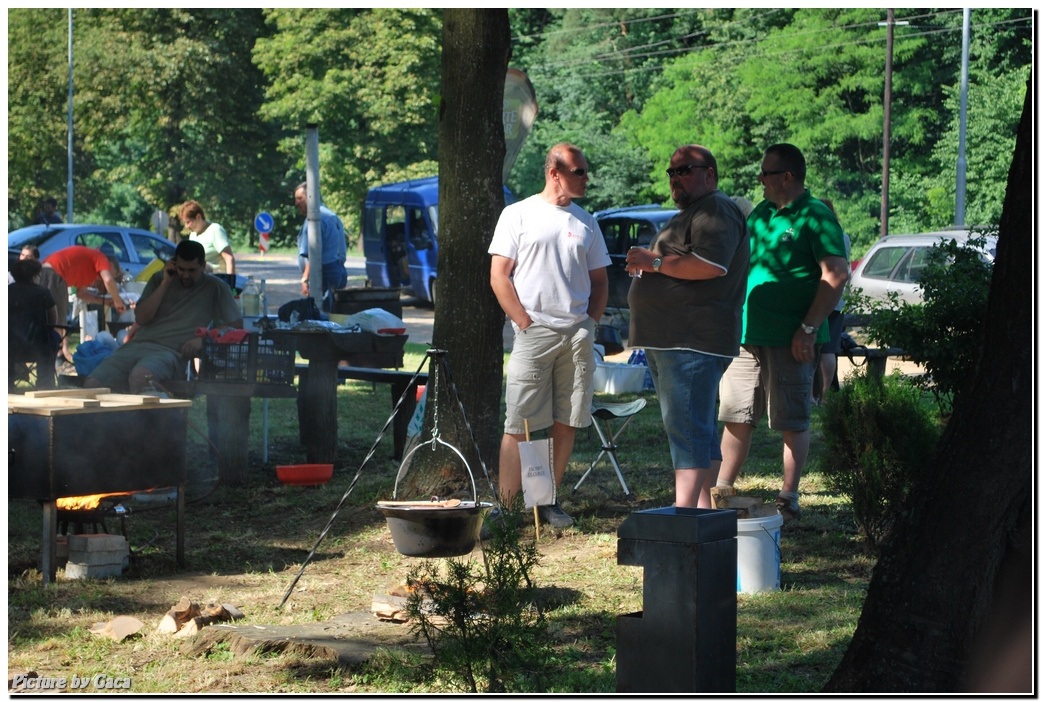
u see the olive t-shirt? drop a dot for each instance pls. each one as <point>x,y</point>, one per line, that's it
<point>184,310</point>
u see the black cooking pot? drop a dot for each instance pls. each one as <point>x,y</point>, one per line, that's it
<point>435,531</point>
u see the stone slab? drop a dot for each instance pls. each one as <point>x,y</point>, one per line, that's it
<point>347,639</point>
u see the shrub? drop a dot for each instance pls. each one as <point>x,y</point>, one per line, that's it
<point>878,439</point>
<point>485,632</point>
<point>945,332</point>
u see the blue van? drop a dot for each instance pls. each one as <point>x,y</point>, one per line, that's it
<point>399,236</point>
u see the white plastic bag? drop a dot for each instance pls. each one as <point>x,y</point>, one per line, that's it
<point>377,321</point>
<point>537,480</point>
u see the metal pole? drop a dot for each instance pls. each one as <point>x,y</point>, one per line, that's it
<point>314,219</point>
<point>886,100</point>
<point>959,194</point>
<point>68,192</point>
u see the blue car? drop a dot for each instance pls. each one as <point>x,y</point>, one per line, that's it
<point>134,248</point>
<point>623,228</point>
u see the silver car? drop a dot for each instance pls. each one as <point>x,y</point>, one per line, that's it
<point>135,248</point>
<point>895,263</point>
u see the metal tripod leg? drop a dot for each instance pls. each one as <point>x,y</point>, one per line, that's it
<point>609,447</point>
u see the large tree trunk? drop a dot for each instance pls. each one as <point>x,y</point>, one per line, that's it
<point>468,320</point>
<point>955,576</point>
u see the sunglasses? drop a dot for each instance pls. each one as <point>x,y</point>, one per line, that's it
<point>763,174</point>
<point>578,172</point>
<point>683,170</point>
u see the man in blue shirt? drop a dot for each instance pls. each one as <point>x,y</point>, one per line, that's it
<point>334,249</point>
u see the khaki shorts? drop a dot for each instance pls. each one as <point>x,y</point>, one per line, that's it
<point>767,380</point>
<point>114,371</point>
<point>549,377</point>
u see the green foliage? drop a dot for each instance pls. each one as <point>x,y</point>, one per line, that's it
<point>945,332</point>
<point>878,437</point>
<point>485,628</point>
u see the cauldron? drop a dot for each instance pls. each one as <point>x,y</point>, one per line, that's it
<point>434,529</point>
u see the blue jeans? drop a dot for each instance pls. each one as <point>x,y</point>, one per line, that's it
<point>334,277</point>
<point>688,384</point>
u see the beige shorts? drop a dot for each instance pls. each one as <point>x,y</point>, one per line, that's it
<point>549,377</point>
<point>767,380</point>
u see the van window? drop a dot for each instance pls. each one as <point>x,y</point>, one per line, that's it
<point>370,226</point>
<point>418,231</point>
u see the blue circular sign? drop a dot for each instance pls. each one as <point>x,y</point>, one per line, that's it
<point>264,223</point>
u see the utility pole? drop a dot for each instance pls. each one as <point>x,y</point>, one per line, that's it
<point>887,99</point>
<point>68,192</point>
<point>959,194</point>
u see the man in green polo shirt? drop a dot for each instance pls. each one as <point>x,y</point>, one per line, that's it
<point>796,274</point>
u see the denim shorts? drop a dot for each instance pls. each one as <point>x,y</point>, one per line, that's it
<point>688,384</point>
<point>767,380</point>
<point>549,377</point>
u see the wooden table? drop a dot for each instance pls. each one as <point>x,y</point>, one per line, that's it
<point>316,396</point>
<point>68,443</point>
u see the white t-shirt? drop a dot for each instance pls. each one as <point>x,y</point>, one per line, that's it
<point>554,249</point>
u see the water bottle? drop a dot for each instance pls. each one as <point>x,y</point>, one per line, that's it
<point>251,299</point>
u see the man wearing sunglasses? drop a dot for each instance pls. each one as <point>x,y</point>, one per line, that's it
<point>549,274</point>
<point>685,312</point>
<point>797,273</point>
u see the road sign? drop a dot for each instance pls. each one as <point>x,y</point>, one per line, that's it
<point>264,223</point>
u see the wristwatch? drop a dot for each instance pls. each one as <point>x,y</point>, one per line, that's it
<point>656,265</point>
<point>808,329</point>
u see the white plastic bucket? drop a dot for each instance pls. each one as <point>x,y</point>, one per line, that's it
<point>759,554</point>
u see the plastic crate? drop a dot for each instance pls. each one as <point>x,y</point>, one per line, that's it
<point>256,360</point>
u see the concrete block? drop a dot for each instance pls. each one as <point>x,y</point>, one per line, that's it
<point>76,571</point>
<point>90,558</point>
<point>97,542</point>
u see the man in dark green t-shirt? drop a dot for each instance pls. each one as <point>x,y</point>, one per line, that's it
<point>797,271</point>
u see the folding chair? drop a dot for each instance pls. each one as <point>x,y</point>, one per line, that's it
<point>605,412</point>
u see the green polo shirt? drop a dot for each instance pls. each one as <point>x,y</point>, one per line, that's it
<point>784,272</point>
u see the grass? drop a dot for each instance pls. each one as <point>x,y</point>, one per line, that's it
<point>245,545</point>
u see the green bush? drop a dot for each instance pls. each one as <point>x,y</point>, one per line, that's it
<point>945,332</point>
<point>484,626</point>
<point>878,438</point>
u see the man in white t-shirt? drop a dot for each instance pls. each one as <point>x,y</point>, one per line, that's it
<point>549,274</point>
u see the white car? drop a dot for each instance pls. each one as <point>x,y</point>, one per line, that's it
<point>895,263</point>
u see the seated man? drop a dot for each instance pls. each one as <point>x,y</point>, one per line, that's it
<point>176,302</point>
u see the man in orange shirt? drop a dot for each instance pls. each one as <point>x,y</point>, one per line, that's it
<point>80,267</point>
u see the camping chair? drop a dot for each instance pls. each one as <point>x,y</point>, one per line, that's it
<point>30,357</point>
<point>605,413</point>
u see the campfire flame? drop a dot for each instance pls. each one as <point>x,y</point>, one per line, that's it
<point>85,502</point>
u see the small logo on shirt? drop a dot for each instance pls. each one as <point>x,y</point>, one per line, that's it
<point>788,235</point>
<point>572,235</point>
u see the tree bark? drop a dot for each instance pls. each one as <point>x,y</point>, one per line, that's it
<point>468,320</point>
<point>955,565</point>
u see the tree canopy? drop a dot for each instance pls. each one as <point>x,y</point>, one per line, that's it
<point>212,103</point>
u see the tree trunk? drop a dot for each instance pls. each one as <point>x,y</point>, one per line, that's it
<point>468,321</point>
<point>951,580</point>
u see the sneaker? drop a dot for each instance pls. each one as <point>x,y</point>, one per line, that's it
<point>784,507</point>
<point>554,516</point>
<point>494,516</point>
